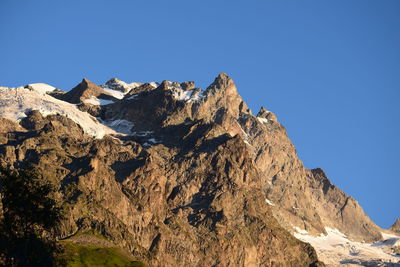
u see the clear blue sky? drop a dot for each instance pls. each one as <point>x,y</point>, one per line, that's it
<point>330,70</point>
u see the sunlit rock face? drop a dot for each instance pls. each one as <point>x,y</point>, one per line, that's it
<point>176,174</point>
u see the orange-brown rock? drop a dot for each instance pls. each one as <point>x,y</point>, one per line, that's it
<point>197,201</point>
<point>197,180</point>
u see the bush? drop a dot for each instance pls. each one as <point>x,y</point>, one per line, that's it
<point>29,215</point>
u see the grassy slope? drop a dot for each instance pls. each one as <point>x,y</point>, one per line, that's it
<point>76,255</point>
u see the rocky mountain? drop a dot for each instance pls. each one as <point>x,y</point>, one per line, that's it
<point>175,174</point>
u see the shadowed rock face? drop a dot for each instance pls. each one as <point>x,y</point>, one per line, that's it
<point>192,207</point>
<point>198,193</point>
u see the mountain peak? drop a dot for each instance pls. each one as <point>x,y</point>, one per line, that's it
<point>119,85</point>
<point>223,76</point>
<point>221,82</point>
<point>87,82</point>
<point>84,90</point>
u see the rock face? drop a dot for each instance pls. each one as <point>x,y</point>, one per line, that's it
<point>299,197</point>
<point>197,180</point>
<point>168,206</point>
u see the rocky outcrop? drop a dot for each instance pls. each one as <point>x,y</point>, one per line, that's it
<point>8,126</point>
<point>83,91</point>
<point>265,114</point>
<point>396,226</point>
<point>301,198</point>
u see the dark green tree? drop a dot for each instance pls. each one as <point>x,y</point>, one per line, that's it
<point>29,215</point>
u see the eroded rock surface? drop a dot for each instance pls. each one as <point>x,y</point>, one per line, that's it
<point>196,180</point>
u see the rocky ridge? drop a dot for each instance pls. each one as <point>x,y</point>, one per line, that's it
<point>194,178</point>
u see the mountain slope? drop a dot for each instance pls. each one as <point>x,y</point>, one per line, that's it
<point>182,176</point>
<point>195,201</point>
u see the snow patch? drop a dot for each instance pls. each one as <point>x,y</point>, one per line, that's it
<point>104,102</point>
<point>247,143</point>
<point>114,93</point>
<point>300,231</point>
<point>120,126</point>
<point>179,94</point>
<point>262,120</point>
<point>117,84</point>
<point>269,202</point>
<point>16,102</point>
<point>335,248</point>
<point>154,84</point>
<point>93,100</point>
<point>143,133</point>
<point>96,101</point>
<point>42,88</point>
<point>154,141</point>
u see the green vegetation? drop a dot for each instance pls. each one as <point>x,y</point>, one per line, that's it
<point>29,214</point>
<point>28,217</point>
<point>78,255</point>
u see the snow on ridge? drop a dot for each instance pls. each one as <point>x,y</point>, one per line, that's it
<point>120,126</point>
<point>104,102</point>
<point>42,88</point>
<point>119,89</point>
<point>154,84</point>
<point>335,248</point>
<point>16,102</point>
<point>93,100</point>
<point>97,102</point>
<point>117,84</point>
<point>115,93</point>
<point>262,120</point>
<point>182,95</point>
<point>151,142</point>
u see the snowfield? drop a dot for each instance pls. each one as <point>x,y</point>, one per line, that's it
<point>120,126</point>
<point>117,83</point>
<point>41,87</point>
<point>114,93</point>
<point>96,101</point>
<point>335,249</point>
<point>16,102</point>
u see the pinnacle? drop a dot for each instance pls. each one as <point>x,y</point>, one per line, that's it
<point>87,82</point>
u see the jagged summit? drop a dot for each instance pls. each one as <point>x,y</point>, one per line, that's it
<point>117,84</point>
<point>222,81</point>
<point>175,166</point>
<point>86,91</point>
